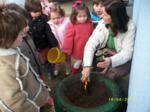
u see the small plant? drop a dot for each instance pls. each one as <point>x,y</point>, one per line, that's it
<point>101,54</point>
<point>86,87</point>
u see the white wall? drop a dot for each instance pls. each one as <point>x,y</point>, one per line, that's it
<point>139,84</point>
<point>20,2</point>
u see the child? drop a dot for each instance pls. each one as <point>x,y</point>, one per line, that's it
<point>39,29</point>
<point>58,23</point>
<point>96,12</point>
<point>76,35</point>
<point>27,46</point>
<point>46,6</point>
<point>21,89</point>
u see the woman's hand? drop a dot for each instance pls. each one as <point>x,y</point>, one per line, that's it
<point>85,73</point>
<point>104,64</point>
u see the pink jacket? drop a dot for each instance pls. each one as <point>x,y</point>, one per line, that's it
<point>75,38</point>
<point>58,30</point>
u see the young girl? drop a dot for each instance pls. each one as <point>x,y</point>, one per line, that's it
<point>46,6</point>
<point>58,23</point>
<point>76,35</point>
<point>39,30</point>
<point>21,89</point>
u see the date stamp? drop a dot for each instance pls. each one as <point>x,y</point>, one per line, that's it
<point>117,99</point>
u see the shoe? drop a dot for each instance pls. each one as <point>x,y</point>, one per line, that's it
<point>56,72</point>
<point>49,77</point>
<point>67,72</point>
<point>74,71</point>
<point>50,101</point>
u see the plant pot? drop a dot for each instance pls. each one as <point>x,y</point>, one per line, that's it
<point>101,90</point>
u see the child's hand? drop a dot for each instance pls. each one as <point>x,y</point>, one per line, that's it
<point>50,101</point>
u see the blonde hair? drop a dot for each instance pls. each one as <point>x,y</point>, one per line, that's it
<point>57,8</point>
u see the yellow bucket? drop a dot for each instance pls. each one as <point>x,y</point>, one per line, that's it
<point>55,55</point>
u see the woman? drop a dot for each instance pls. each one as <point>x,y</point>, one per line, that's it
<point>115,32</point>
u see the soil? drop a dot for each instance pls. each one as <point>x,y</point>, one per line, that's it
<point>97,94</point>
<point>47,108</point>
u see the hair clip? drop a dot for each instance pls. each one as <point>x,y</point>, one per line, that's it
<point>76,3</point>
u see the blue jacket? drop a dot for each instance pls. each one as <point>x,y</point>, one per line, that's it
<point>94,17</point>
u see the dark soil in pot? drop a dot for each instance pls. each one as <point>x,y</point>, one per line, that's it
<point>97,94</point>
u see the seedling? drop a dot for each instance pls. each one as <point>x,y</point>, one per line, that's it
<point>86,87</point>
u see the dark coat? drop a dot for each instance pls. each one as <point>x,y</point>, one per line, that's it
<point>41,33</point>
<point>28,49</point>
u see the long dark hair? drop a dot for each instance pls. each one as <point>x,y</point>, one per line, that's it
<point>118,13</point>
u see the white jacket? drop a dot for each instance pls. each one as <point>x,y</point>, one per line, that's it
<point>124,43</point>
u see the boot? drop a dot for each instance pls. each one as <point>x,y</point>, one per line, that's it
<point>74,71</point>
